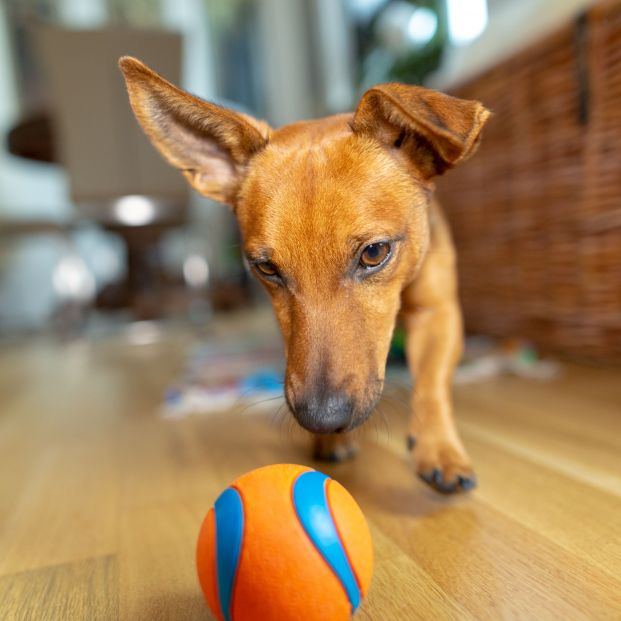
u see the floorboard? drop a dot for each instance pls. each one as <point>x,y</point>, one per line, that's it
<point>101,498</point>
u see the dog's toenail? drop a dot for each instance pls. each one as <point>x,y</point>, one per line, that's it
<point>426,476</point>
<point>467,483</point>
<point>411,442</point>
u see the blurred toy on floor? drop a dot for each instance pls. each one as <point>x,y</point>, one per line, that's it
<point>248,370</point>
<point>220,375</point>
<point>486,357</point>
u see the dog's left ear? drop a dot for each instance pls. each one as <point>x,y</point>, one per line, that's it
<point>436,131</point>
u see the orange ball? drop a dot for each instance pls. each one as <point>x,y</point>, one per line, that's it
<point>284,543</point>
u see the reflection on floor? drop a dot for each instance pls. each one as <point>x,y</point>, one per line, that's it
<point>101,497</point>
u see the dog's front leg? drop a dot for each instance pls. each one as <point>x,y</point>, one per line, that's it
<point>433,348</point>
<point>432,319</point>
<point>334,447</point>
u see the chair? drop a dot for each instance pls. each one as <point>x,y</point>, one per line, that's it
<point>116,178</point>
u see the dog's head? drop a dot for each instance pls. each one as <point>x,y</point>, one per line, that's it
<point>333,214</point>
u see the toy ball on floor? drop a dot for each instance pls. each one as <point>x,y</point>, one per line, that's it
<point>284,543</point>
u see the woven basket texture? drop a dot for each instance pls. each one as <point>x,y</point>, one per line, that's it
<point>536,213</point>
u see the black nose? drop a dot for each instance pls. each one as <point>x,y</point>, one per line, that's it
<point>324,412</point>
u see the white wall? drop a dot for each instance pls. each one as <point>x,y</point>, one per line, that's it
<point>513,25</point>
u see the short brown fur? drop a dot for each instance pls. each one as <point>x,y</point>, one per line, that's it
<point>309,198</point>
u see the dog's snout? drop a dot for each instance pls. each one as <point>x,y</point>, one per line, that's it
<point>328,412</point>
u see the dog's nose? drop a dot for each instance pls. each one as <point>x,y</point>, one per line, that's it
<point>330,412</point>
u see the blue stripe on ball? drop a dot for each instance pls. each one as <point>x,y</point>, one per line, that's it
<point>229,511</point>
<point>311,505</point>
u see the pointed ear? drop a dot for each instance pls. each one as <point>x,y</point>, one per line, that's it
<point>210,145</point>
<point>435,131</point>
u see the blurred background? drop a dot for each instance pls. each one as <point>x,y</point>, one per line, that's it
<point>141,369</point>
<point>99,236</point>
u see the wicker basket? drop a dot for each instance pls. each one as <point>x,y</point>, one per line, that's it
<point>536,214</point>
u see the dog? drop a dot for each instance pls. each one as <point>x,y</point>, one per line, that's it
<point>340,225</point>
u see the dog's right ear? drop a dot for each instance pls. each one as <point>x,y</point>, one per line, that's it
<point>209,144</point>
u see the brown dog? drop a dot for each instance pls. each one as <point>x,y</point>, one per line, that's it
<point>340,226</point>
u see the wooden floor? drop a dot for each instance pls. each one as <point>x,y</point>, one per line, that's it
<point>101,499</point>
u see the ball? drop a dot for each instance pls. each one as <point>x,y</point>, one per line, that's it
<point>284,543</point>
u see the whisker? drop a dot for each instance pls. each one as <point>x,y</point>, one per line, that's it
<point>400,404</point>
<point>250,390</point>
<point>281,416</point>
<point>400,388</point>
<point>397,385</point>
<point>276,414</point>
<point>292,427</point>
<point>381,423</point>
<point>259,402</point>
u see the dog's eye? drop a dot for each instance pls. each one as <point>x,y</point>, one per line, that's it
<point>374,255</point>
<point>267,268</point>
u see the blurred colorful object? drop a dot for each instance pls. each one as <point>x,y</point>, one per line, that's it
<point>486,358</point>
<point>241,371</point>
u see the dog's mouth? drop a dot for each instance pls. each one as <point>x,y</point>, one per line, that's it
<point>359,419</point>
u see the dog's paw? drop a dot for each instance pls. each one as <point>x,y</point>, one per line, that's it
<point>334,448</point>
<point>442,464</point>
